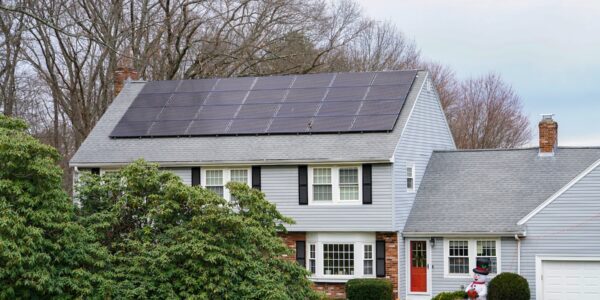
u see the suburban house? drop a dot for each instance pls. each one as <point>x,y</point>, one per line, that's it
<point>366,165</point>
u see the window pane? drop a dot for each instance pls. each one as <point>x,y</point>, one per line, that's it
<point>409,172</point>
<point>458,257</point>
<point>409,183</point>
<point>312,255</point>
<point>322,176</point>
<point>214,177</point>
<point>368,267</point>
<point>239,176</point>
<point>338,259</point>
<point>368,251</point>
<point>349,176</point>
<point>348,192</point>
<point>488,249</point>
<point>217,189</point>
<point>322,193</point>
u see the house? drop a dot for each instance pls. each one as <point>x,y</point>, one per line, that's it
<point>342,154</point>
<point>366,165</point>
<point>533,211</point>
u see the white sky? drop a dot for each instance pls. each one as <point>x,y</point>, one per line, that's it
<point>549,50</point>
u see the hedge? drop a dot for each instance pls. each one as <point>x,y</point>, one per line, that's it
<point>451,296</point>
<point>369,289</point>
<point>508,286</point>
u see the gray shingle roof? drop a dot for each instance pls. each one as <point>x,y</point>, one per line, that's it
<point>99,149</point>
<point>490,190</point>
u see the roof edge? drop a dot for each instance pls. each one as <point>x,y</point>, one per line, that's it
<point>463,234</point>
<point>265,162</point>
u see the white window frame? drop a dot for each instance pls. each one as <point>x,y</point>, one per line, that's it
<point>226,178</point>
<point>357,239</point>
<point>414,181</point>
<point>335,185</point>
<point>472,242</point>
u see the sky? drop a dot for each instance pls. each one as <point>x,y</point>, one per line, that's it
<point>548,50</point>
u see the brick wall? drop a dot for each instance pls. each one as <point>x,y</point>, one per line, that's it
<point>391,257</point>
<point>332,290</point>
<point>290,239</point>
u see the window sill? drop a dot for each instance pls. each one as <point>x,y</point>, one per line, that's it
<point>336,279</point>
<point>329,203</point>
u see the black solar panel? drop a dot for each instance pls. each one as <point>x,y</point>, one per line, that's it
<point>313,103</point>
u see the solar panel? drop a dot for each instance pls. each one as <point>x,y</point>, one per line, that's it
<point>313,103</point>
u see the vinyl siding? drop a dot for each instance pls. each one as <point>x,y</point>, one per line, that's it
<point>569,226</point>
<point>184,173</point>
<point>280,185</point>
<point>425,131</point>
<point>508,263</point>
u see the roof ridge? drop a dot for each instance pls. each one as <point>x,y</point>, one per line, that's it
<point>513,149</point>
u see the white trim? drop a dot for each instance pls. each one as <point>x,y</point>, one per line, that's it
<point>463,234</point>
<point>411,165</point>
<point>472,246</point>
<point>335,185</point>
<point>559,193</point>
<point>226,177</point>
<point>407,262</point>
<point>539,259</point>
<point>266,162</point>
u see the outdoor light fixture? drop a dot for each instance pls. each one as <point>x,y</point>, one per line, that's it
<point>432,242</point>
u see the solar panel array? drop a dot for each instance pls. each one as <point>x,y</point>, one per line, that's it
<point>313,103</point>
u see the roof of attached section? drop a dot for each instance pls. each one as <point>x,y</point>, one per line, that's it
<point>99,149</point>
<point>489,191</point>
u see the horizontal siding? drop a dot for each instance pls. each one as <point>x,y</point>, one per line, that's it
<point>569,226</point>
<point>426,130</point>
<point>184,173</point>
<point>280,185</point>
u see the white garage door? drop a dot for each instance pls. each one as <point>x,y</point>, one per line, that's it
<point>565,280</point>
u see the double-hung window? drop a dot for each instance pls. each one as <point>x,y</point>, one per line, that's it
<point>410,178</point>
<point>214,179</point>
<point>335,185</point>
<point>368,259</point>
<point>461,255</point>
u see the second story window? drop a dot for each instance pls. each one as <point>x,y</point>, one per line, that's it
<point>410,178</point>
<point>216,179</point>
<point>335,185</point>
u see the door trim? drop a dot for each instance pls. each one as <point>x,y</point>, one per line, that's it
<point>407,266</point>
<point>539,259</point>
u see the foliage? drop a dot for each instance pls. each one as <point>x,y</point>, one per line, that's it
<point>508,286</point>
<point>170,240</point>
<point>44,253</point>
<point>458,295</point>
<point>369,289</point>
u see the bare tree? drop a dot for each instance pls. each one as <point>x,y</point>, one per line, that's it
<point>12,28</point>
<point>489,115</point>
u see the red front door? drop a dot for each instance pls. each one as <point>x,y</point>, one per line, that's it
<point>418,266</point>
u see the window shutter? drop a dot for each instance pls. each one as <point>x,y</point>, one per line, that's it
<point>380,257</point>
<point>303,185</point>
<point>301,253</point>
<point>95,171</point>
<point>256,177</point>
<point>195,176</point>
<point>366,184</point>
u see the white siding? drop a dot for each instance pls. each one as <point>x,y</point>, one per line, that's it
<point>280,185</point>
<point>569,226</point>
<point>425,131</point>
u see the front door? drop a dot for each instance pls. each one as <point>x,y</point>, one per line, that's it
<point>418,266</point>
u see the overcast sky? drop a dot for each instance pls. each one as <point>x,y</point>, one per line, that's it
<point>548,50</point>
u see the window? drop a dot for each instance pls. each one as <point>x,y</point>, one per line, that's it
<point>322,188</point>
<point>488,249</point>
<point>349,184</point>
<point>312,258</point>
<point>338,259</point>
<point>335,185</point>
<point>368,260</point>
<point>215,179</point>
<point>410,178</point>
<point>458,257</point>
<point>461,255</point>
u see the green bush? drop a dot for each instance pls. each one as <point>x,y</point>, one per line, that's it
<point>369,289</point>
<point>451,296</point>
<point>508,286</point>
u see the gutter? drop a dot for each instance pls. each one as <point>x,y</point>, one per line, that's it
<point>463,234</point>
<point>518,254</point>
<point>265,162</point>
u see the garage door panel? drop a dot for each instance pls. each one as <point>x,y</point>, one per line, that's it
<point>565,280</point>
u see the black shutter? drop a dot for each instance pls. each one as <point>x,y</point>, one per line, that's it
<point>303,185</point>
<point>366,184</point>
<point>195,176</point>
<point>95,171</point>
<point>256,177</point>
<point>380,258</point>
<point>301,253</point>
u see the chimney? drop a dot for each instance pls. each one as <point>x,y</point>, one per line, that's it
<point>548,135</point>
<point>123,74</point>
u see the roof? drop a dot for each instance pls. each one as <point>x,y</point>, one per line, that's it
<point>489,191</point>
<point>100,150</point>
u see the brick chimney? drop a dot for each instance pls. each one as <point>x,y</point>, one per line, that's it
<point>548,135</point>
<point>123,74</point>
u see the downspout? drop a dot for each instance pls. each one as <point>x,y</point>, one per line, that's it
<point>518,254</point>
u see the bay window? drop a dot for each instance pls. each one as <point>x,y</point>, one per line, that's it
<point>460,255</point>
<point>214,179</point>
<point>335,185</point>
<point>340,256</point>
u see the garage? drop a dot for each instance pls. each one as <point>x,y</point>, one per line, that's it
<point>567,279</point>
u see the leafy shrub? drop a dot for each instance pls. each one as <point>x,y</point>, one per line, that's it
<point>451,296</point>
<point>369,289</point>
<point>508,286</point>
